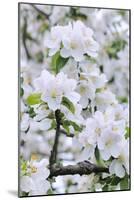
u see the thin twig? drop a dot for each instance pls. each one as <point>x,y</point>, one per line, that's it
<point>40,11</point>
<point>65,133</point>
<point>24,38</point>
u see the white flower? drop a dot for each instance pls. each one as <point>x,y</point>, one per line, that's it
<point>108,144</point>
<point>90,80</point>
<point>53,88</point>
<point>78,41</point>
<point>24,122</point>
<point>105,98</point>
<point>87,91</point>
<point>35,183</point>
<point>53,41</point>
<point>73,40</point>
<point>120,165</point>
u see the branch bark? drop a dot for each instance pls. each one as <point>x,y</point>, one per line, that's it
<point>53,156</point>
<point>81,168</point>
<point>24,39</point>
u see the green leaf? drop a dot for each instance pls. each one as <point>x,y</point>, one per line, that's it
<point>124,184</point>
<point>123,99</point>
<point>105,188</point>
<point>31,112</point>
<point>67,103</point>
<point>97,154</point>
<point>66,127</point>
<point>71,123</point>
<point>127,132</point>
<point>39,56</point>
<point>116,46</point>
<point>53,125</point>
<point>34,99</point>
<point>21,92</point>
<point>99,161</point>
<point>58,62</point>
<point>115,180</point>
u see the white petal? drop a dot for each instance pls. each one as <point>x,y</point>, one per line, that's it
<point>65,53</point>
<point>26,184</point>
<point>73,96</point>
<point>45,124</point>
<point>119,170</point>
<point>115,151</point>
<point>78,55</point>
<point>105,154</point>
<point>84,101</point>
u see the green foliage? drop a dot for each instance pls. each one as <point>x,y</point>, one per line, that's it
<point>124,184</point>
<point>39,56</point>
<point>115,180</point>
<point>127,132</point>
<point>58,62</point>
<point>21,92</point>
<point>99,161</point>
<point>43,28</point>
<point>123,99</point>
<point>53,125</point>
<point>31,112</point>
<point>34,99</point>
<point>76,14</point>
<point>66,127</point>
<point>67,103</point>
<point>116,46</point>
<point>67,123</point>
<point>111,182</point>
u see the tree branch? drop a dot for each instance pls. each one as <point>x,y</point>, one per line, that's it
<point>53,156</point>
<point>24,38</point>
<point>40,11</point>
<point>81,168</point>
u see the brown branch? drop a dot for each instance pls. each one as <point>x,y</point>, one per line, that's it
<point>81,168</point>
<point>53,156</point>
<point>24,38</point>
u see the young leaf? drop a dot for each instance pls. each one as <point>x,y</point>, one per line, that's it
<point>31,112</point>
<point>34,99</point>
<point>71,123</point>
<point>98,158</point>
<point>58,62</point>
<point>97,154</point>
<point>21,92</point>
<point>66,127</point>
<point>127,133</point>
<point>67,103</point>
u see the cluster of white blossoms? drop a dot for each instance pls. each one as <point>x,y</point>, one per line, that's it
<point>81,65</point>
<point>74,40</point>
<point>106,131</point>
<point>33,177</point>
<point>54,88</point>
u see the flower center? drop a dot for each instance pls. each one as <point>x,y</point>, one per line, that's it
<point>33,169</point>
<point>53,93</point>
